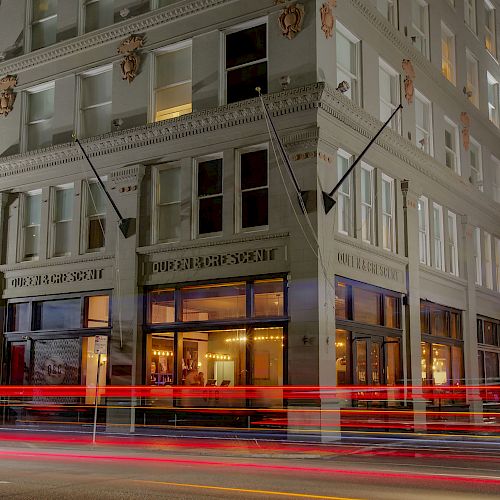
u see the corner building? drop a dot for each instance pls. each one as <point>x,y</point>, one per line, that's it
<point>222,274</point>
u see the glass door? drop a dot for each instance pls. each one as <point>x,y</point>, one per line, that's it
<point>17,352</point>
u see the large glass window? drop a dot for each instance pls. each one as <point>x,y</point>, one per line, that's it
<point>448,53</point>
<point>97,311</point>
<point>162,306</point>
<point>19,317</point>
<point>246,62</point>
<point>160,359</point>
<point>423,123</point>
<point>348,62</point>
<point>31,225</point>
<point>493,92</point>
<point>268,298</point>
<point>63,219</point>
<point>438,236</point>
<point>420,26</point>
<point>39,118</point>
<point>388,206</point>
<point>43,23</point>
<point>490,31</point>
<point>367,204</point>
<point>489,350</point>
<point>389,94</point>
<point>344,197</point>
<point>451,146</point>
<point>173,85</point>
<point>98,14</point>
<point>168,205</point>
<point>366,306</point>
<point>95,216</point>
<point>472,87</point>
<point>254,189</point>
<point>423,230</point>
<point>209,196</point>
<point>476,164</point>
<point>96,102</point>
<point>59,314</point>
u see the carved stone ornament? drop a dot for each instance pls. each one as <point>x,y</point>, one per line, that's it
<point>131,58</point>
<point>7,94</point>
<point>409,78</point>
<point>327,18</point>
<point>291,19</point>
<point>465,119</point>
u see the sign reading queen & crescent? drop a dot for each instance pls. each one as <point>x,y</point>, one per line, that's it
<point>217,260</point>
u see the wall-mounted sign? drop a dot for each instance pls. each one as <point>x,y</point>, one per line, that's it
<point>56,278</point>
<point>218,260</point>
<point>101,344</point>
<point>368,266</point>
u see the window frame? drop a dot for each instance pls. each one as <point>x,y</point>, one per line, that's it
<point>392,11</point>
<point>387,179</point>
<point>85,219</point>
<point>83,17</point>
<point>424,259</point>
<point>490,28</point>
<point>357,91</point>
<point>419,34</point>
<point>21,254</point>
<point>362,203</point>
<point>472,84</point>
<point>395,77</point>
<point>477,245</point>
<point>478,180</point>
<point>53,222</point>
<point>350,196</point>
<point>497,262</point>
<point>452,128</point>
<point>470,15</point>
<point>448,62</point>
<point>427,134</point>
<point>30,22</point>
<point>239,192</point>
<point>488,261</point>
<point>438,243</point>
<point>493,108</point>
<point>452,243</point>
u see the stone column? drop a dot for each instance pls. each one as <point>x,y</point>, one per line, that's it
<point>125,349</point>
<point>4,198</point>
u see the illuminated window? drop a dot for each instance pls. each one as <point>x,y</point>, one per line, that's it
<point>62,219</point>
<point>490,35</point>
<point>348,62</point>
<point>268,298</point>
<point>246,62</point>
<point>420,26</point>
<point>344,197</point>
<point>97,311</point>
<point>448,53</point>
<point>43,23</point>
<point>173,86</point>
<point>98,14</point>
<point>31,225</point>
<point>366,306</point>
<point>209,196</point>
<point>160,359</point>
<point>472,87</point>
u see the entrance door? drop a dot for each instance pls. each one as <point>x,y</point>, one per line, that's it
<point>17,352</point>
<point>375,360</point>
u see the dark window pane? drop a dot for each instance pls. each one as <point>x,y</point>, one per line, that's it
<point>491,366</point>
<point>455,326</point>
<point>341,304</point>
<point>254,208</point>
<point>246,46</point>
<point>254,169</point>
<point>480,356</point>
<point>59,314</point>
<point>210,177</point>
<point>366,306</point>
<point>241,83</point>
<point>438,323</point>
<point>97,227</point>
<point>162,307</point>
<point>19,317</point>
<point>457,365</point>
<point>392,308</point>
<point>479,331</point>
<point>210,215</point>
<point>489,337</point>
<point>424,318</point>
<point>268,298</point>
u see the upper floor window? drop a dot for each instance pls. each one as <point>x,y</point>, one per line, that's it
<point>167,216</point>
<point>452,242</point>
<point>423,118</point>
<point>472,87</point>
<point>488,262</point>
<point>496,178</point>
<point>389,94</point>
<point>477,256</point>
<point>448,53</point>
<point>253,188</point>
<point>420,26</point>
<point>246,62</point>
<point>490,30</point>
<point>31,218</point>
<point>62,220</point>
<point>209,196</point>
<point>96,102</point>
<point>388,209</point>
<point>40,103</point>
<point>476,164</point>
<point>43,23</point>
<point>367,204</point>
<point>451,145</point>
<point>348,62</point>
<point>388,8</point>
<point>423,230</point>
<point>493,93</point>
<point>98,14</point>
<point>345,194</point>
<point>470,14</point>
<point>95,217</point>
<point>438,234</point>
<point>173,86</point>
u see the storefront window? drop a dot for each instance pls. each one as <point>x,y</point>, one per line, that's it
<point>489,333</point>
<point>441,365</point>
<point>162,307</point>
<point>341,345</point>
<point>266,351</point>
<point>366,306</point>
<point>160,359</point>
<point>361,358</point>
<point>97,307</point>
<point>268,298</point>
<point>438,323</point>
<point>391,311</point>
<point>480,359</point>
<point>491,367</point>
<point>214,302</point>
<point>19,317</point>
<point>424,318</point>
<point>457,365</point>
<point>341,300</point>
<point>455,327</point>
<point>426,357</point>
<point>393,372</point>
<point>89,365</point>
<point>59,314</point>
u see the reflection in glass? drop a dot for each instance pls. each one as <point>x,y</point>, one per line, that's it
<point>162,306</point>
<point>361,362</point>
<point>160,359</point>
<point>268,298</point>
<point>341,297</point>
<point>59,314</point>
<point>19,317</point>
<point>342,338</point>
<point>366,306</point>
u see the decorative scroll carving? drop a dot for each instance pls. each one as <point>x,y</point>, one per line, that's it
<point>465,119</point>
<point>131,59</point>
<point>291,19</point>
<point>327,18</point>
<point>409,78</point>
<point>7,94</point>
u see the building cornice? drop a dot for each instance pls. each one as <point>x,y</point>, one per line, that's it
<point>57,261</point>
<point>116,32</point>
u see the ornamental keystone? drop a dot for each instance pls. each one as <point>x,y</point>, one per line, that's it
<point>131,58</point>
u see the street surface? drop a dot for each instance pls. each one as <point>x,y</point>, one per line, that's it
<point>62,469</point>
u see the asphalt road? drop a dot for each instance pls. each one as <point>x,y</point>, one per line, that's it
<point>34,470</point>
